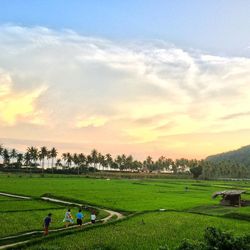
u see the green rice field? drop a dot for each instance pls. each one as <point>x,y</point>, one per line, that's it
<point>147,231</point>
<point>187,204</point>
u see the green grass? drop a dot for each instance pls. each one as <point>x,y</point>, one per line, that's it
<point>5,198</point>
<point>242,213</point>
<point>129,195</point>
<point>19,222</point>
<point>13,205</point>
<point>147,231</point>
<point>126,195</point>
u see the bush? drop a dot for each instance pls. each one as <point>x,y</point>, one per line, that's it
<point>215,239</point>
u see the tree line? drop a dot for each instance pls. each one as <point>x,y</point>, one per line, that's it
<point>49,159</point>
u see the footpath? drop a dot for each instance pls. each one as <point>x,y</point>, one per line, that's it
<point>111,214</point>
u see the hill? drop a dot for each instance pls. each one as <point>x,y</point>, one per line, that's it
<point>241,155</point>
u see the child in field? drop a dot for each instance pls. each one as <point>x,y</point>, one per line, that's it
<point>68,219</point>
<point>79,217</point>
<point>46,224</point>
<point>93,217</point>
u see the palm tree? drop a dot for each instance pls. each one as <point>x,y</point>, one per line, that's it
<point>6,157</point>
<point>13,154</point>
<point>1,150</point>
<point>136,165</point>
<point>48,157</point>
<point>58,163</point>
<point>121,161</point>
<point>33,154</point>
<point>128,162</point>
<point>67,157</point>
<point>101,161</point>
<point>109,160</point>
<point>64,157</point>
<point>94,157</point>
<point>148,163</point>
<point>76,162</point>
<point>27,159</point>
<point>88,160</point>
<point>19,159</point>
<point>168,162</point>
<point>42,154</point>
<point>82,160</point>
<point>53,154</point>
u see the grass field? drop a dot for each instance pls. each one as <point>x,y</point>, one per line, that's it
<point>189,204</point>
<point>128,195</point>
<point>17,205</point>
<point>147,231</point>
<point>19,216</point>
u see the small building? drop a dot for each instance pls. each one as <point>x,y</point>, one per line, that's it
<point>230,197</point>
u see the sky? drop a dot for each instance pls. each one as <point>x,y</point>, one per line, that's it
<point>136,77</point>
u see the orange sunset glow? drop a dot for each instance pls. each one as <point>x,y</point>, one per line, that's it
<point>64,89</point>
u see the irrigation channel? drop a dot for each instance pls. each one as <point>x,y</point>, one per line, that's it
<point>15,238</point>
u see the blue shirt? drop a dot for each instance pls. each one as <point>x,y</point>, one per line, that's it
<point>79,215</point>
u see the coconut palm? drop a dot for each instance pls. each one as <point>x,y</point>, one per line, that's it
<point>58,163</point>
<point>48,157</point>
<point>76,162</point>
<point>67,157</point>
<point>119,161</point>
<point>42,155</point>
<point>6,157</point>
<point>94,157</point>
<point>53,154</point>
<point>27,160</point>
<point>33,152</point>
<point>1,150</point>
<point>19,159</point>
<point>101,161</point>
<point>148,163</point>
<point>13,154</point>
<point>83,160</point>
<point>109,160</point>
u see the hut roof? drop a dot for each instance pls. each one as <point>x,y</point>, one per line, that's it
<point>228,192</point>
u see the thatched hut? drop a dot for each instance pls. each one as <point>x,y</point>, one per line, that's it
<point>230,197</point>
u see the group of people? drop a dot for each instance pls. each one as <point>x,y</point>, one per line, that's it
<point>68,219</point>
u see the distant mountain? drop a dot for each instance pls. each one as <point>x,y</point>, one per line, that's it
<point>241,155</point>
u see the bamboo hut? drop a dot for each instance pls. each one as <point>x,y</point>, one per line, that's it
<point>230,197</point>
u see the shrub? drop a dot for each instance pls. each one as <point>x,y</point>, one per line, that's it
<point>215,239</point>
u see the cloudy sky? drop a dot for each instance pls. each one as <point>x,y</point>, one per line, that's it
<point>141,77</point>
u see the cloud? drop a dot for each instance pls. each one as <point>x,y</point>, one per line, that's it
<point>236,115</point>
<point>17,106</point>
<point>101,92</point>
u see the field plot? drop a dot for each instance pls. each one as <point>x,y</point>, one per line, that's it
<point>16,205</point>
<point>147,231</point>
<point>126,195</point>
<point>18,216</point>
<point>188,204</point>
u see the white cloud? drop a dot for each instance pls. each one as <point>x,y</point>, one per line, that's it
<point>100,83</point>
<point>18,106</point>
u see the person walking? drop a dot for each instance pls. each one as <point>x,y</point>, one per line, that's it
<point>93,217</point>
<point>79,217</point>
<point>68,218</point>
<point>46,224</point>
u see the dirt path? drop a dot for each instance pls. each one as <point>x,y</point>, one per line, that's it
<point>104,220</point>
<point>15,196</point>
<point>111,212</point>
